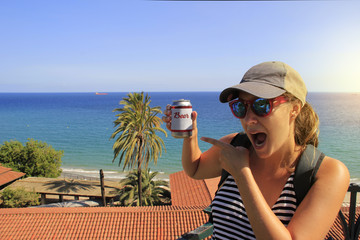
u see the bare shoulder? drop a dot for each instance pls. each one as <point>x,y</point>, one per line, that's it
<point>324,198</point>
<point>332,170</point>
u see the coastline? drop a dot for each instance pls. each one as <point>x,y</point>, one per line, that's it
<point>117,176</point>
<point>114,176</point>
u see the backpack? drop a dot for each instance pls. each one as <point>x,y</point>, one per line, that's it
<point>305,170</point>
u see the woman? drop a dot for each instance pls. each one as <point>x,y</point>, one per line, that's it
<point>270,102</point>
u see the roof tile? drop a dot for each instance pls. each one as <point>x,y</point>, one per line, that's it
<point>186,191</point>
<point>7,175</point>
<point>161,222</point>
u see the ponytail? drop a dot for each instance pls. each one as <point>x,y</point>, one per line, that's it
<point>306,125</point>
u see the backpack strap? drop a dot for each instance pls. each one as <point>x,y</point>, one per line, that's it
<point>241,139</point>
<point>306,170</point>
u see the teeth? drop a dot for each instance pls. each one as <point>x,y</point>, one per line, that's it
<point>259,144</point>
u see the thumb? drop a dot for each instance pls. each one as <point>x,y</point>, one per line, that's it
<point>193,118</point>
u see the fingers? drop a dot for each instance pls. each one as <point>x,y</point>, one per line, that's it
<point>167,110</point>
<point>167,118</point>
<point>231,158</point>
<point>214,142</point>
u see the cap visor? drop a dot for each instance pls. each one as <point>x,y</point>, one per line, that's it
<point>254,88</point>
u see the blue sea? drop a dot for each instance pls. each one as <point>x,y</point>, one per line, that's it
<point>81,124</point>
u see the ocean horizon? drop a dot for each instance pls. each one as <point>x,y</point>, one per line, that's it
<point>81,123</point>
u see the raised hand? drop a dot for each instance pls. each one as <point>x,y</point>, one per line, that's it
<point>231,158</point>
<point>167,119</point>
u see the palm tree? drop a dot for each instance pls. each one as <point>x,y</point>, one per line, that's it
<point>136,128</point>
<point>155,192</point>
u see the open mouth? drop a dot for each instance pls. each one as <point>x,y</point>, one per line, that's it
<point>259,139</point>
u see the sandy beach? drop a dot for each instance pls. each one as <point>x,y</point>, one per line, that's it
<point>108,175</point>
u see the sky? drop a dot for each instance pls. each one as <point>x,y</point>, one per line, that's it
<point>152,46</point>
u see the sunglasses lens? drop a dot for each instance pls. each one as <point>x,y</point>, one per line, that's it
<point>261,107</point>
<point>239,109</point>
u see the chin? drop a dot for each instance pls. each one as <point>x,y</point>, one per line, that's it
<point>265,150</point>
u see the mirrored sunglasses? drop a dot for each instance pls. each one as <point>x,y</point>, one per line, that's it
<point>261,107</point>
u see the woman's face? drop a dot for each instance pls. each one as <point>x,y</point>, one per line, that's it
<point>271,133</point>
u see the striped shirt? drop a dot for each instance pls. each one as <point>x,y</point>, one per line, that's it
<point>229,214</point>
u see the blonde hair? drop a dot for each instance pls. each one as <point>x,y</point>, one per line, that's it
<point>306,124</point>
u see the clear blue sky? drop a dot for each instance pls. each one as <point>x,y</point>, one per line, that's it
<point>143,45</point>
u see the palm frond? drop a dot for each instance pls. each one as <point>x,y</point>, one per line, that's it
<point>136,128</point>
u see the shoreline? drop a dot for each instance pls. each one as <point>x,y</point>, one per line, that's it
<point>114,176</point>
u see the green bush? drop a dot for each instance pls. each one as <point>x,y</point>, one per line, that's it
<point>18,197</point>
<point>36,158</point>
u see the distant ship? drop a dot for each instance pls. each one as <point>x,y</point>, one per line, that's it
<point>98,93</point>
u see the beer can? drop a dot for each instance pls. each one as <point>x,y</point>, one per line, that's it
<point>181,123</point>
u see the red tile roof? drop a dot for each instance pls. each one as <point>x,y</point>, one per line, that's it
<point>337,231</point>
<point>7,175</point>
<point>186,191</point>
<point>212,185</point>
<point>189,198</point>
<point>162,222</point>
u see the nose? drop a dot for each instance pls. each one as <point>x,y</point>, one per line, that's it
<point>250,117</point>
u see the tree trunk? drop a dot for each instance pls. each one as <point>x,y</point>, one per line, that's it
<point>102,185</point>
<point>139,172</point>
<point>139,184</point>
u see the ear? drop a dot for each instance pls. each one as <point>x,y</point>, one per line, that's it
<point>296,109</point>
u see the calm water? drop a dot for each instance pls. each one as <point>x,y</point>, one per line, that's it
<point>81,124</point>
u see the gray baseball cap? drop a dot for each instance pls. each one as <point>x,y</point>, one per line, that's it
<point>268,80</point>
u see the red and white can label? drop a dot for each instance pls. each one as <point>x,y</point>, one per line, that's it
<point>181,123</point>
<point>181,119</point>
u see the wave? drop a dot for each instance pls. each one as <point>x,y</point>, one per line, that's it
<point>95,174</point>
<point>90,174</point>
<point>79,170</point>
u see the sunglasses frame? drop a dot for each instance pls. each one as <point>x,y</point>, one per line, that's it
<point>273,103</point>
